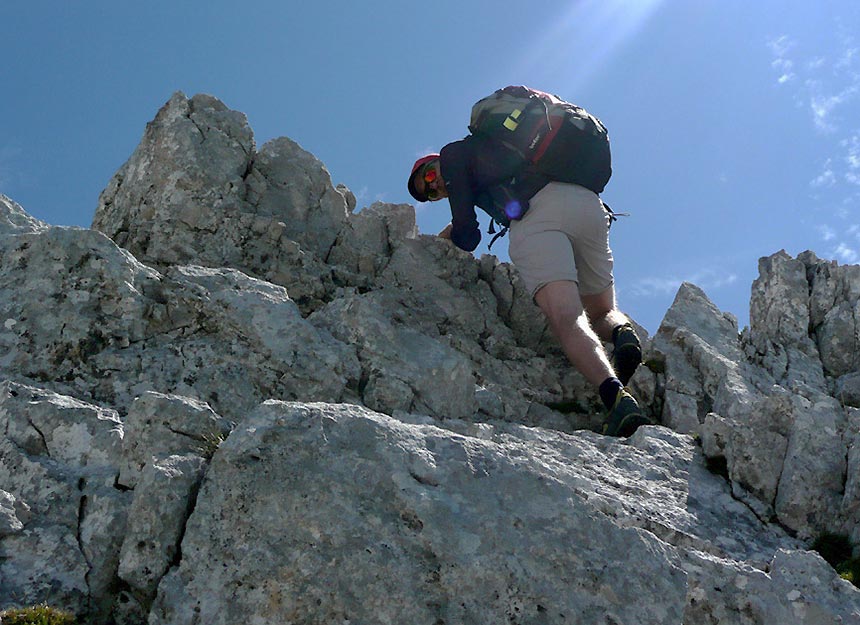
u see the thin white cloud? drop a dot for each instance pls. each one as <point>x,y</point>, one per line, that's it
<point>846,254</point>
<point>826,178</point>
<point>781,46</point>
<point>849,55</point>
<point>852,148</point>
<point>823,105</point>
<point>816,63</point>
<point>706,279</point>
<point>785,69</point>
<point>828,83</point>
<point>361,197</point>
<point>827,233</point>
<point>844,210</point>
<point>824,77</point>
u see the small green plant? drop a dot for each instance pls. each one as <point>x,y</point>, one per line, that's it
<point>837,550</point>
<point>210,443</point>
<point>851,571</point>
<point>656,365</point>
<point>36,615</point>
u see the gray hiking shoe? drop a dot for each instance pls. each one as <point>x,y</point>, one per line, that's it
<point>627,355</point>
<point>625,417</point>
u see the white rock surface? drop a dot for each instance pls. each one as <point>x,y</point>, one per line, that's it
<point>493,524</point>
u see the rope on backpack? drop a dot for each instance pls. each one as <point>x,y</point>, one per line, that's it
<point>613,216</point>
<point>492,230</point>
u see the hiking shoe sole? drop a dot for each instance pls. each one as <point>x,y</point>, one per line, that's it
<point>630,424</point>
<point>626,416</point>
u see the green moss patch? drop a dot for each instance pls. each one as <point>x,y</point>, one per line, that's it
<point>36,615</point>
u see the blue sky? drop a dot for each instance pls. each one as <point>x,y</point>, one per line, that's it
<point>735,124</point>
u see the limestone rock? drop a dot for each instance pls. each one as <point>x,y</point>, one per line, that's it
<point>779,322</point>
<point>13,514</point>
<point>163,499</point>
<point>500,524</point>
<point>833,302</point>
<point>116,328</point>
<point>196,191</point>
<point>15,220</point>
<point>404,369</point>
<point>160,425</point>
<point>368,239</point>
<point>449,474</point>
<point>761,400</point>
<point>851,498</point>
<point>705,368</point>
<point>59,458</point>
<point>291,184</point>
<point>848,389</point>
<point>188,170</point>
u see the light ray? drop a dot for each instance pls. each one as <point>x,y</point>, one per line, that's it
<point>580,42</point>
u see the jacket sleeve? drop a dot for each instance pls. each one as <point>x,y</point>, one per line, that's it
<point>457,164</point>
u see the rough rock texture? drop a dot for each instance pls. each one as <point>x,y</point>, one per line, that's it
<point>237,400</point>
<point>775,402</point>
<point>488,524</point>
<point>196,191</point>
<point>57,458</point>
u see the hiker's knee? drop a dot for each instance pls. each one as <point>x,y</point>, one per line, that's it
<point>560,302</point>
<point>600,305</point>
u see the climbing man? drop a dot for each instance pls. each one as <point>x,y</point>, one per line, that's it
<point>536,165</point>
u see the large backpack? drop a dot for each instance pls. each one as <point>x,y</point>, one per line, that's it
<point>554,137</point>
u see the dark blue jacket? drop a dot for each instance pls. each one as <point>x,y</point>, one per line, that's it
<point>478,171</point>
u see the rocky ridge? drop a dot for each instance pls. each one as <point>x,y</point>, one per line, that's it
<point>235,399</point>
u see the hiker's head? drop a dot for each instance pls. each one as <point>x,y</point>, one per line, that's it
<point>425,181</point>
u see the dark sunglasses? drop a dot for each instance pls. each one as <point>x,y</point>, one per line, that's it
<point>430,175</point>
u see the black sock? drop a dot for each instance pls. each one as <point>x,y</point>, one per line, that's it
<point>609,391</point>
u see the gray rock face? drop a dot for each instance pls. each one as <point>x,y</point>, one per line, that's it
<point>116,328</point>
<point>196,191</point>
<point>237,400</point>
<point>57,458</point>
<point>774,403</point>
<point>487,525</point>
<point>163,500</point>
<point>14,220</point>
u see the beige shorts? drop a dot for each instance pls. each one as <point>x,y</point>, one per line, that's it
<point>563,236</point>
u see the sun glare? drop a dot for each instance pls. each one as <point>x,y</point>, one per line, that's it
<point>578,43</point>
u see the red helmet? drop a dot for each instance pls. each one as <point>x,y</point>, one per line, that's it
<point>411,186</point>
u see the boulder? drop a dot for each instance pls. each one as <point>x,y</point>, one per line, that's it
<point>117,328</point>
<point>196,191</point>
<point>478,524</point>
<point>762,400</point>
<point>163,500</point>
<point>59,459</point>
<point>15,220</point>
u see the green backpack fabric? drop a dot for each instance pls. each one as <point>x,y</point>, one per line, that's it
<point>556,138</point>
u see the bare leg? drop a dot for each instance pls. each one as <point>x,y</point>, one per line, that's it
<point>561,303</point>
<point>602,313</point>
